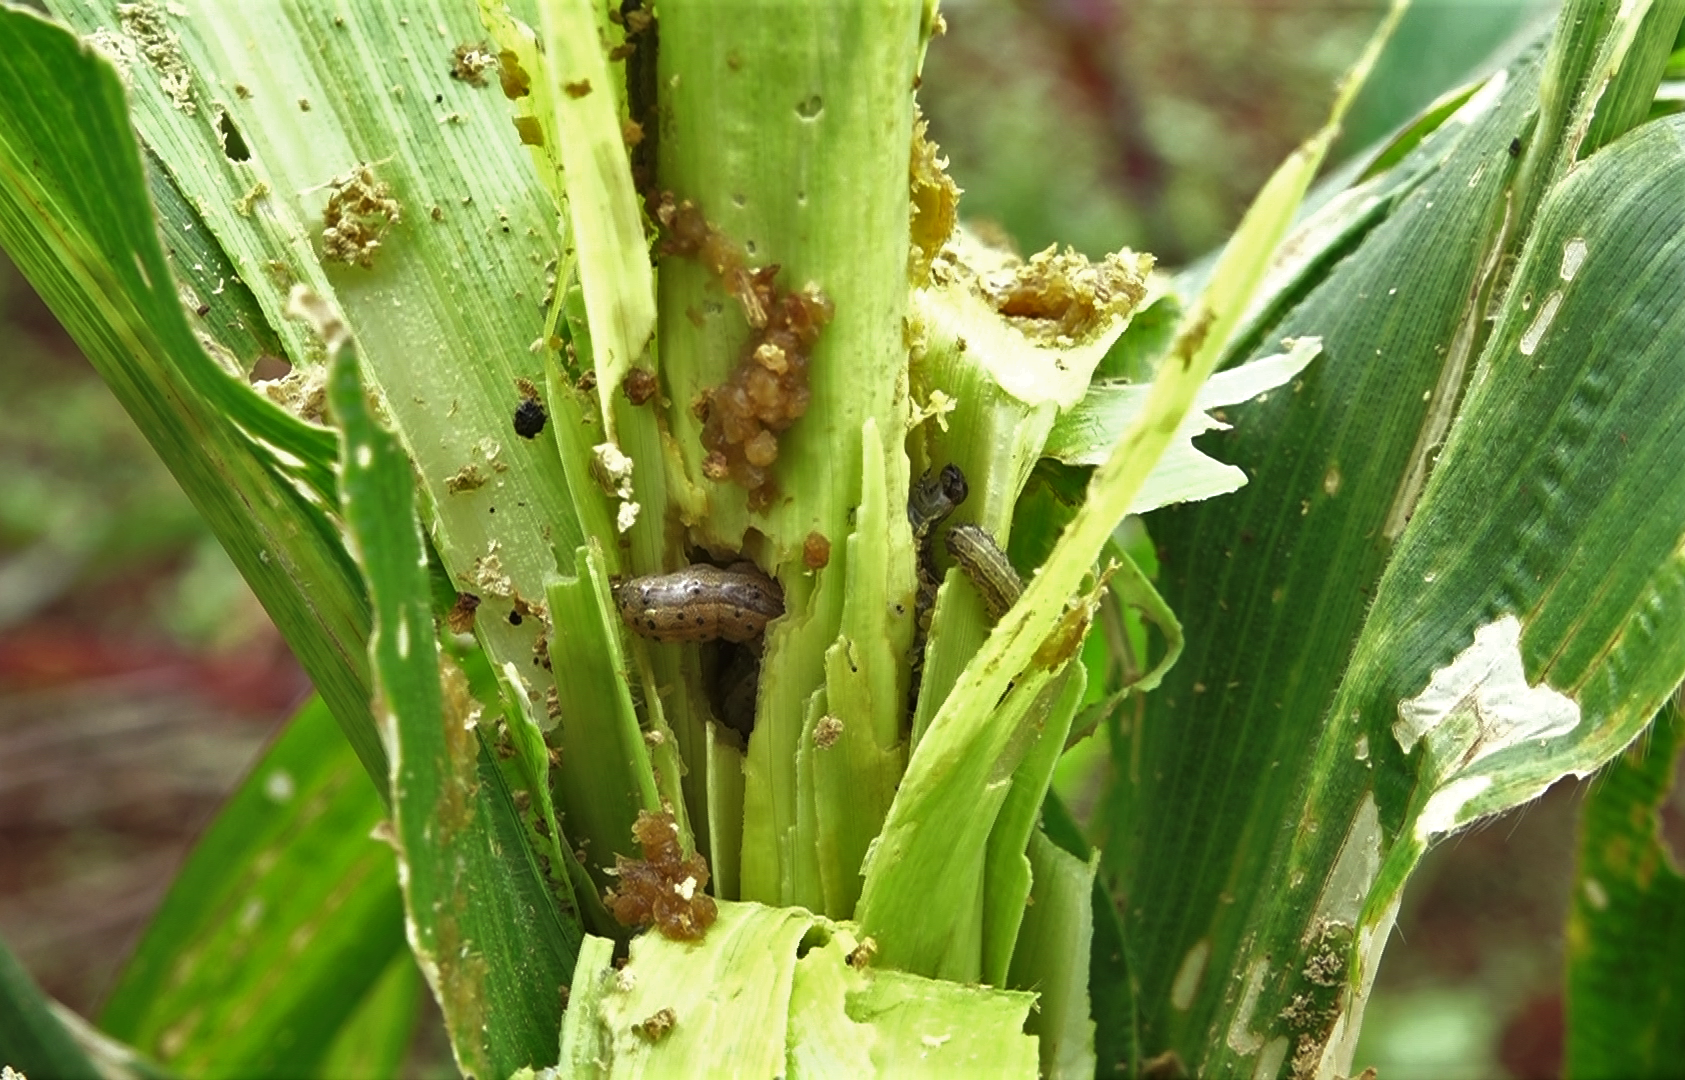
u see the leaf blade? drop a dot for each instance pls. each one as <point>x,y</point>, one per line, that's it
<point>73,214</point>
<point>1625,949</point>
<point>485,929</point>
<point>277,925</point>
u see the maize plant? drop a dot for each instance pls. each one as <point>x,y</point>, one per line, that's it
<point>710,548</point>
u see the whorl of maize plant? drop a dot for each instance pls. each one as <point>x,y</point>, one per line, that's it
<point>692,526</point>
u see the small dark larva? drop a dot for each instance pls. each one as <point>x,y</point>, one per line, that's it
<point>933,497</point>
<point>987,566</point>
<point>700,603</point>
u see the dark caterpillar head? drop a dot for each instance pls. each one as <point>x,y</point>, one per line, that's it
<point>934,497</point>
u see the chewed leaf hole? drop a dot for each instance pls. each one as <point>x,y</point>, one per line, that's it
<point>233,143</point>
<point>269,366</point>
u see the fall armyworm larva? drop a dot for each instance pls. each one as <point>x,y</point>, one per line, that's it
<point>987,566</point>
<point>933,497</point>
<point>700,603</point>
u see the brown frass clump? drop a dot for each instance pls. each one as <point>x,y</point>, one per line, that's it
<point>768,390</point>
<point>657,1026</point>
<point>816,551</point>
<point>639,385</point>
<point>665,887</point>
<point>359,212</point>
<point>460,619</point>
<point>470,62</point>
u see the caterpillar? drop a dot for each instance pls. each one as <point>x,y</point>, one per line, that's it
<point>987,566</point>
<point>933,497</point>
<point>700,603</point>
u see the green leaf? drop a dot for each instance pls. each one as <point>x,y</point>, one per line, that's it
<point>604,775</point>
<point>32,1038</point>
<point>602,207</point>
<point>1625,101</point>
<point>1008,873</point>
<point>360,103</point>
<point>1527,626</point>
<point>1626,926</point>
<point>1601,74</point>
<point>376,1038</point>
<point>75,218</point>
<point>1112,990</point>
<point>774,991</point>
<point>586,1044</point>
<point>1086,434</point>
<point>280,923</point>
<point>790,130</point>
<point>1566,531</point>
<point>852,775</point>
<point>1273,581</point>
<point>959,768</point>
<point>485,929</point>
<point>1053,957</point>
<point>729,997</point>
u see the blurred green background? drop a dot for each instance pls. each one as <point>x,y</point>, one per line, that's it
<point>139,679</point>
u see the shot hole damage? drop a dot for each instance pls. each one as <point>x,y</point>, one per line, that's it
<point>512,77</point>
<point>269,366</point>
<point>233,143</point>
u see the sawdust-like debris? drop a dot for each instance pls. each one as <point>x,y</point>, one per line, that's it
<point>146,24</point>
<point>359,213</point>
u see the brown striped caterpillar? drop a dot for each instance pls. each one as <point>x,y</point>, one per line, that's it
<point>700,603</point>
<point>987,566</point>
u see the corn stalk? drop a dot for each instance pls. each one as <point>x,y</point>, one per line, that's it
<point>631,354</point>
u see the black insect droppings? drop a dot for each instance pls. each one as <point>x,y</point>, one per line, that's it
<point>529,418</point>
